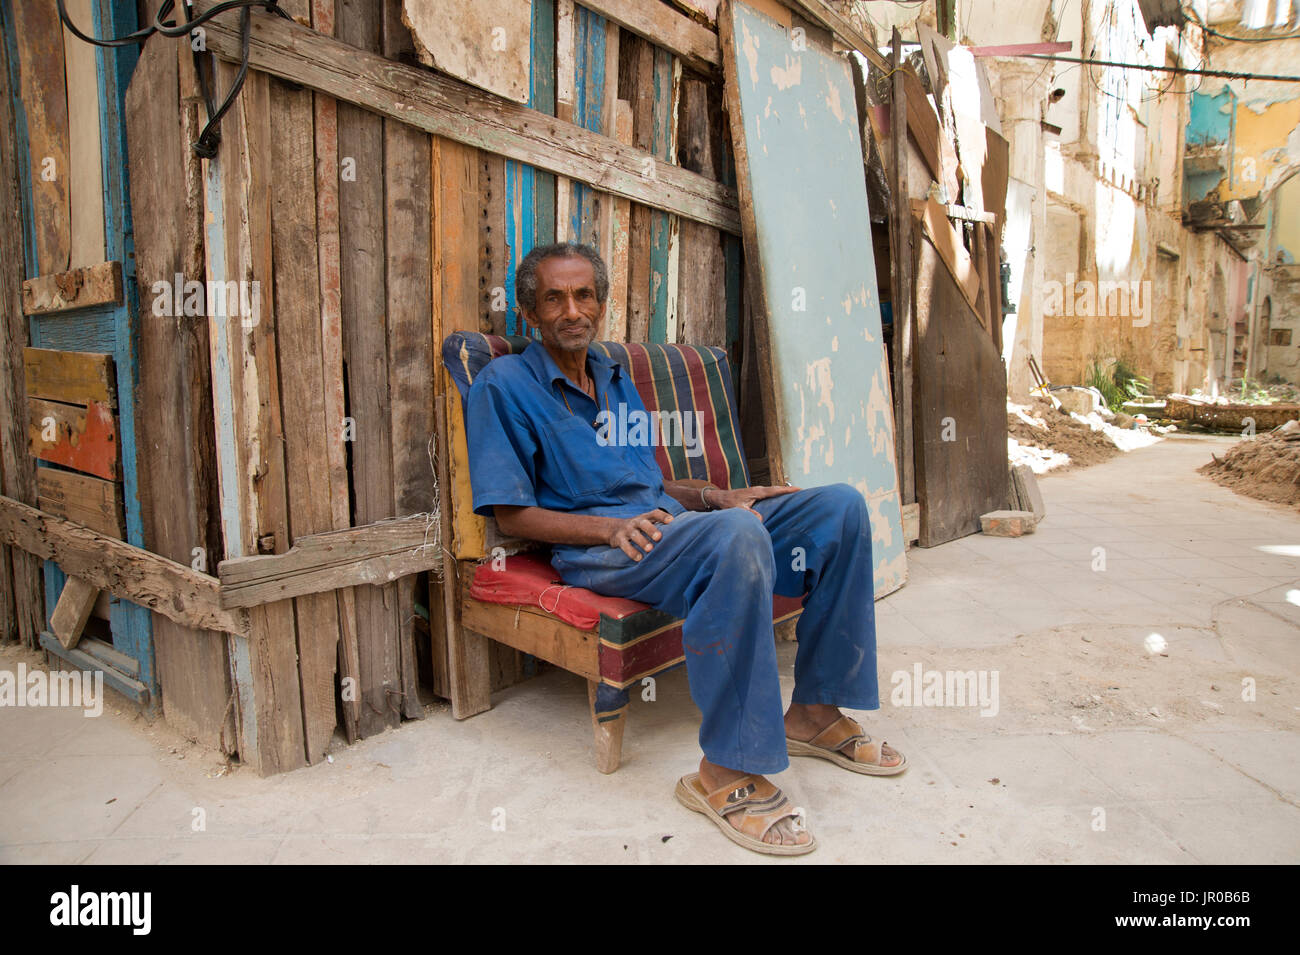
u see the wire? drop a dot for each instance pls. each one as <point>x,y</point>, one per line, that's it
<point>1228,74</point>
<point>206,145</point>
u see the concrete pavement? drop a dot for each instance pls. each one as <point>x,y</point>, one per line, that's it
<point>1101,750</point>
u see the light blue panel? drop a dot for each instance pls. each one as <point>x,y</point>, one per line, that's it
<point>809,198</point>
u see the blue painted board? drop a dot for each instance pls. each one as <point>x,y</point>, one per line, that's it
<point>799,157</point>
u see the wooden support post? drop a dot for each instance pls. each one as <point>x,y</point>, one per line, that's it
<point>901,290</point>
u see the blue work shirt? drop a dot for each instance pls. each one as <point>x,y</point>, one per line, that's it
<point>533,440</point>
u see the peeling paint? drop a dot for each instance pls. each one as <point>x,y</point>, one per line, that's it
<point>833,102</point>
<point>792,75</point>
<point>749,49</point>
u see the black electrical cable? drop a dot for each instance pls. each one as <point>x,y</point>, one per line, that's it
<point>1160,69</point>
<point>206,145</point>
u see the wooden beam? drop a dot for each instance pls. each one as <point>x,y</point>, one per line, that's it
<point>374,554</point>
<point>695,44</point>
<point>78,288</point>
<point>162,585</point>
<point>72,611</point>
<point>447,107</point>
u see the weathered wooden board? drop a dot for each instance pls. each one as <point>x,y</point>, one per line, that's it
<point>934,222</point>
<point>812,273</point>
<point>329,254</point>
<point>636,85</point>
<point>110,564</point>
<point>82,498</point>
<point>449,108</point>
<point>411,355</point>
<point>363,298</point>
<point>85,156</point>
<point>45,102</point>
<point>620,235</point>
<point>70,377</point>
<point>17,469</point>
<point>72,611</point>
<point>484,43</point>
<point>99,284</point>
<point>177,451</point>
<point>250,441</point>
<point>83,437</point>
<point>701,290</point>
<point>960,412</point>
<point>664,228</point>
<point>307,432</point>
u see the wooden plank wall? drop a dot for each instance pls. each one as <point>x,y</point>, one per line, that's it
<point>371,240</point>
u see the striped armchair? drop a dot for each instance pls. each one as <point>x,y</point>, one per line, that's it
<point>520,601</point>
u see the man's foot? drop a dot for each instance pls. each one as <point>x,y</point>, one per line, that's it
<point>805,722</point>
<point>783,833</point>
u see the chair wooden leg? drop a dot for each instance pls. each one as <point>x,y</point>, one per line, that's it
<point>608,719</point>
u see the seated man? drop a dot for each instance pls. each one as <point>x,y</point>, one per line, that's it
<point>543,463</point>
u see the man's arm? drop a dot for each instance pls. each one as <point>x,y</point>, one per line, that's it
<point>559,527</point>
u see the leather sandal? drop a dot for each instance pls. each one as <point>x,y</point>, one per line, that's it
<point>830,743</point>
<point>762,804</point>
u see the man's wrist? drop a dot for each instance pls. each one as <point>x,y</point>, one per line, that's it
<point>709,501</point>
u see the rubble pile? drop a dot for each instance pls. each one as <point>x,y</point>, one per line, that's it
<point>1046,437</point>
<point>1266,467</point>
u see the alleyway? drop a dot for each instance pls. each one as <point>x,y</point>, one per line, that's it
<point>1100,750</point>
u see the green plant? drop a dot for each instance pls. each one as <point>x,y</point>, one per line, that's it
<point>1129,381</point>
<point>1099,378</point>
<point>1117,383</point>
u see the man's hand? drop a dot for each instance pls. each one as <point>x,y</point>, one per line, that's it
<point>744,497</point>
<point>638,532</point>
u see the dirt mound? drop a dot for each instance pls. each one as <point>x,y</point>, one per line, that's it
<point>1063,434</point>
<point>1266,467</point>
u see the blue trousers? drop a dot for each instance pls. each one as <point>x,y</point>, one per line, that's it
<point>718,570</point>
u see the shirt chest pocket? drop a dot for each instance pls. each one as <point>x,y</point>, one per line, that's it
<point>576,463</point>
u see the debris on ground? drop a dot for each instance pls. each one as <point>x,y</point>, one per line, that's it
<point>1008,523</point>
<point>1266,467</point>
<point>1046,438</point>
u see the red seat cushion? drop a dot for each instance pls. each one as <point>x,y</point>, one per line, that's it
<point>530,580</point>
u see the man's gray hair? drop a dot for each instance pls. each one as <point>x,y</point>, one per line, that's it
<point>526,275</point>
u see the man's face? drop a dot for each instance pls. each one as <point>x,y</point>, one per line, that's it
<point>567,313</point>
